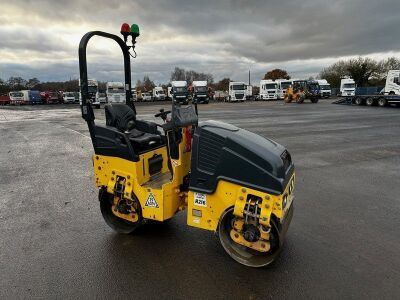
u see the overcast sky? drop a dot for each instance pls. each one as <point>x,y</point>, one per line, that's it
<point>40,38</point>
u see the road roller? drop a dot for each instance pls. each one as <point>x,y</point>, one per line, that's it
<point>227,180</point>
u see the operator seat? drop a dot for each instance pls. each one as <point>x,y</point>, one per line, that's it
<point>142,135</point>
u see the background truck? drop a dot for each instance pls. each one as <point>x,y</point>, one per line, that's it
<point>179,92</point>
<point>93,89</point>
<point>26,99</point>
<point>237,91</point>
<point>169,93</point>
<point>34,97</point>
<point>158,94</point>
<point>249,92</point>
<point>16,97</point>
<point>325,88</point>
<point>146,96</point>
<point>50,97</point>
<point>4,99</point>
<point>347,87</point>
<point>283,85</point>
<point>69,97</point>
<point>200,92</point>
<point>115,92</point>
<point>392,86</point>
<point>269,90</point>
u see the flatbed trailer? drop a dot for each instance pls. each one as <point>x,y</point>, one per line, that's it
<point>370,100</point>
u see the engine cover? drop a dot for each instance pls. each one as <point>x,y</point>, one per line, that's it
<point>225,152</point>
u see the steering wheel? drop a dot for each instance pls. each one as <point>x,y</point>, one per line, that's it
<point>163,114</point>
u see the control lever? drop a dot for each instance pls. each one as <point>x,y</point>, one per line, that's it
<point>163,114</point>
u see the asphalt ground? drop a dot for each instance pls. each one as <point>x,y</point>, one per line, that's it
<point>343,242</point>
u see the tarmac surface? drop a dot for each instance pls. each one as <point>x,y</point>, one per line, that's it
<point>343,242</point>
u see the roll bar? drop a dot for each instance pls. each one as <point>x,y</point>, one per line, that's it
<point>86,108</point>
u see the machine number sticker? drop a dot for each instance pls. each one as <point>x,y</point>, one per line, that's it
<point>151,201</point>
<point>200,199</point>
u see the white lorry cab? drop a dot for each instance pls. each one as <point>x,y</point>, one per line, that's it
<point>237,91</point>
<point>269,90</point>
<point>179,92</point>
<point>283,85</point>
<point>200,92</point>
<point>325,88</point>
<point>158,94</point>
<point>115,92</point>
<point>392,86</point>
<point>347,87</point>
<point>93,89</point>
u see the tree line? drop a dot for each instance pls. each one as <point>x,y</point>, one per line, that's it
<point>365,72</point>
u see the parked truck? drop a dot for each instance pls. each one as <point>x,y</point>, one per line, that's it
<point>283,85</point>
<point>158,94</point>
<point>179,92</point>
<point>50,97</point>
<point>249,92</point>
<point>325,88</point>
<point>93,89</point>
<point>269,90</point>
<point>4,99</point>
<point>392,86</point>
<point>16,97</point>
<point>200,92</point>
<point>237,91</point>
<point>69,97</point>
<point>115,92</point>
<point>169,93</point>
<point>390,95</point>
<point>347,87</point>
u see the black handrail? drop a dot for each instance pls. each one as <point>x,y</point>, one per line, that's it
<point>86,108</point>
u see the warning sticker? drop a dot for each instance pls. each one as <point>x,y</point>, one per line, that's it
<point>200,199</point>
<point>151,201</point>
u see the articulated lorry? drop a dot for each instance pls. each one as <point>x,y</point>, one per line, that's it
<point>237,91</point>
<point>269,90</point>
<point>115,92</point>
<point>200,92</point>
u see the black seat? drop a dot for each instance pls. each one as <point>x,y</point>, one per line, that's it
<point>122,117</point>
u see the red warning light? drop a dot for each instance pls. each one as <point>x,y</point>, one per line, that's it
<point>125,28</point>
